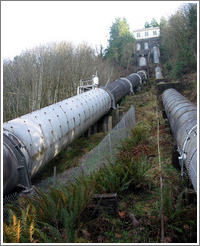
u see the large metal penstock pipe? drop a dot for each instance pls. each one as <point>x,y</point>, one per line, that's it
<point>122,86</point>
<point>155,55</point>
<point>146,46</point>
<point>38,137</point>
<point>158,73</point>
<point>182,115</point>
<point>34,139</point>
<point>142,61</point>
<point>138,47</point>
<point>119,88</point>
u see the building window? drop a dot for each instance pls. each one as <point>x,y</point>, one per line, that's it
<point>138,35</point>
<point>154,33</point>
<point>146,34</point>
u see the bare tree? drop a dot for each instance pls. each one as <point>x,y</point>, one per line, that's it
<point>49,73</point>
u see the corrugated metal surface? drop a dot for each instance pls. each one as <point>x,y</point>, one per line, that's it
<point>182,115</point>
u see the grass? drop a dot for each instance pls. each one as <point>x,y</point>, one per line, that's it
<point>190,81</point>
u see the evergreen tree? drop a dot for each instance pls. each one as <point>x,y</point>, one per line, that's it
<point>179,41</point>
<point>147,25</point>
<point>121,44</point>
<point>154,23</point>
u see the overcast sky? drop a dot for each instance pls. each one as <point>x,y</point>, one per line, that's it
<point>26,24</point>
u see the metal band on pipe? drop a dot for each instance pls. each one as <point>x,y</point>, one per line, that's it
<point>131,87</point>
<point>138,76</point>
<point>113,103</point>
<point>20,170</point>
<point>186,139</point>
<point>145,74</point>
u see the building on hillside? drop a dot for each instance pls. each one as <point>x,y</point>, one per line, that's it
<point>143,33</point>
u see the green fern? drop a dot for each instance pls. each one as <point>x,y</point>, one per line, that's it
<point>139,134</point>
<point>112,179</point>
<point>11,232</point>
<point>69,225</point>
<point>138,170</point>
<point>42,236</point>
<point>20,230</point>
<point>49,234</point>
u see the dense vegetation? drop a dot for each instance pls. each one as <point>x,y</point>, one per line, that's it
<point>68,214</point>
<point>153,23</point>
<point>121,45</point>
<point>178,41</point>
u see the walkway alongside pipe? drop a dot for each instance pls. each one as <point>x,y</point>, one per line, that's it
<point>182,116</point>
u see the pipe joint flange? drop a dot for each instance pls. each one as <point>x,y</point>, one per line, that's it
<point>131,87</point>
<point>145,74</point>
<point>113,104</point>
<point>193,131</point>
<point>18,143</point>
<point>22,166</point>
<point>138,76</point>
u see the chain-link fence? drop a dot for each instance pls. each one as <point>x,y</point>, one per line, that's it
<point>9,199</point>
<point>100,155</point>
<point>107,148</point>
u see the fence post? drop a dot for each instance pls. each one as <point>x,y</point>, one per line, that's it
<point>109,123</point>
<point>118,132</point>
<point>117,113</point>
<point>99,156</point>
<point>110,147</point>
<point>133,115</point>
